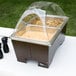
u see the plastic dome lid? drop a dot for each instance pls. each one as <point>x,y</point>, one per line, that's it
<point>40,23</point>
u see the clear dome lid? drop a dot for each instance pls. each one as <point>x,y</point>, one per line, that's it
<point>42,21</point>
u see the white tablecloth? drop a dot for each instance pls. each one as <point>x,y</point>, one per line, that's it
<point>63,64</point>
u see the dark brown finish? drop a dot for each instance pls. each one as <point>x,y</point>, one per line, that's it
<point>43,54</point>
